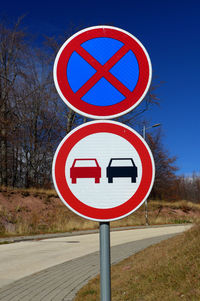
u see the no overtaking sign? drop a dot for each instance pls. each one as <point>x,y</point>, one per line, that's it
<point>103,170</point>
<point>102,72</point>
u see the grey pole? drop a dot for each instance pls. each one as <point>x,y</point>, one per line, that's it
<point>144,132</point>
<point>146,204</point>
<point>144,136</point>
<point>105,282</point>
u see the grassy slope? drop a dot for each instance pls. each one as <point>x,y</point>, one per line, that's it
<point>167,271</point>
<point>34,211</point>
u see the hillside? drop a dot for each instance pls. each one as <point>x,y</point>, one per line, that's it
<point>24,212</point>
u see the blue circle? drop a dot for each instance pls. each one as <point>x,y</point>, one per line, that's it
<point>103,93</point>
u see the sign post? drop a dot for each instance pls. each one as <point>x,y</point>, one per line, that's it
<point>103,72</point>
<point>105,279</point>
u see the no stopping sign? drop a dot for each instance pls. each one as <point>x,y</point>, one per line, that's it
<point>102,72</point>
<point>103,170</point>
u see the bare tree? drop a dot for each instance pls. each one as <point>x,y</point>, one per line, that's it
<point>187,188</point>
<point>38,117</point>
<point>136,117</point>
<point>12,46</point>
<point>165,168</point>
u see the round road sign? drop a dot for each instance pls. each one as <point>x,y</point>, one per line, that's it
<point>102,72</point>
<point>103,170</point>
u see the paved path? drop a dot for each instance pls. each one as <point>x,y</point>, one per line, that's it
<point>62,281</point>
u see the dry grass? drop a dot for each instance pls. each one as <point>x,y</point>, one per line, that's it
<point>161,212</point>
<point>64,220</point>
<point>58,220</point>
<point>178,204</point>
<point>28,191</point>
<point>166,271</point>
<point>31,211</point>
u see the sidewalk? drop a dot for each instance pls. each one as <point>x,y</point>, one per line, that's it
<point>61,282</point>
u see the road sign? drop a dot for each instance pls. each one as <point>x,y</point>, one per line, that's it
<point>102,72</point>
<point>103,170</point>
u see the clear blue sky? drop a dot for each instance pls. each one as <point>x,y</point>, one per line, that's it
<point>170,31</point>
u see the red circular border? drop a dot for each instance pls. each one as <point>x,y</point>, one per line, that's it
<point>91,212</point>
<point>127,103</point>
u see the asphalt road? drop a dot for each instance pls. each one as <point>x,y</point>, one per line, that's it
<point>55,269</point>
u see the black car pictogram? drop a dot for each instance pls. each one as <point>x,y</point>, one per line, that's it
<point>121,168</point>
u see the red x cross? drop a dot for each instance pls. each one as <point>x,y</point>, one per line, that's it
<point>102,71</point>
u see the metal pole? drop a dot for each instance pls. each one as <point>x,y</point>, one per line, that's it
<point>146,204</point>
<point>144,132</point>
<point>146,213</point>
<point>105,282</point>
<point>144,136</point>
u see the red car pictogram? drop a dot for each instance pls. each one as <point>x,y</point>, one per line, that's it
<point>85,168</point>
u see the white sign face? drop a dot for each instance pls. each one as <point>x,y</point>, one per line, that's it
<point>104,147</point>
<point>103,170</point>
